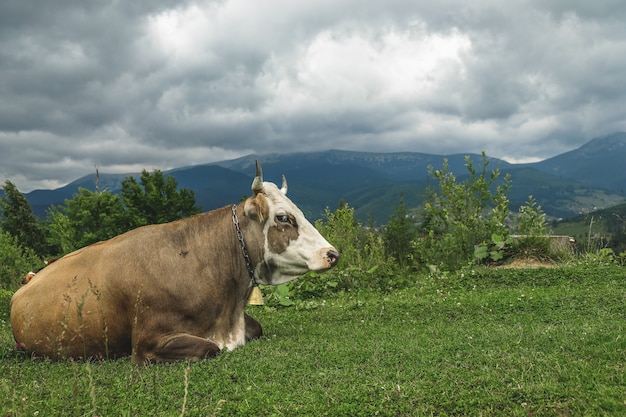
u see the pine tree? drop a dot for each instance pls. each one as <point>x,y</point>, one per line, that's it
<point>17,219</point>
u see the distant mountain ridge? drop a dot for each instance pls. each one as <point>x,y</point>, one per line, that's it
<point>396,166</point>
<point>592,176</point>
<point>599,163</point>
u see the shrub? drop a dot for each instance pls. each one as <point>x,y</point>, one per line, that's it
<point>532,239</point>
<point>15,262</point>
<point>361,250</point>
<point>494,251</point>
<point>532,246</point>
<point>5,304</point>
<point>458,216</point>
<point>399,235</point>
<point>531,220</point>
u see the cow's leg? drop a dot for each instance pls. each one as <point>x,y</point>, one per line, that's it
<point>253,328</point>
<point>179,346</point>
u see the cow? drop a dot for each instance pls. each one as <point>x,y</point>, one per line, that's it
<point>169,292</point>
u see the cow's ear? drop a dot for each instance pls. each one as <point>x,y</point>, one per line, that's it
<point>257,208</point>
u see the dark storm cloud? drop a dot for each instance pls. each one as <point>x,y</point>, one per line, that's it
<point>149,84</point>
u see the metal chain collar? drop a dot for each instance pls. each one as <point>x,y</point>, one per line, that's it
<point>244,250</point>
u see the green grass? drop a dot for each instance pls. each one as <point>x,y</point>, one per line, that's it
<point>485,343</point>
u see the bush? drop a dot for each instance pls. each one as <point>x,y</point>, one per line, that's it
<point>531,219</point>
<point>5,304</point>
<point>532,239</point>
<point>399,235</point>
<point>458,216</point>
<point>532,246</point>
<point>362,262</point>
<point>494,251</point>
<point>15,262</point>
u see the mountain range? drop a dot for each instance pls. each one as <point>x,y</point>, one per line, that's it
<point>588,178</point>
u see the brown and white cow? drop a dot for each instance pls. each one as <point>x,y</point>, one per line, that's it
<point>173,291</point>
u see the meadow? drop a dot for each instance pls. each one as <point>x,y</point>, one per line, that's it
<point>480,342</point>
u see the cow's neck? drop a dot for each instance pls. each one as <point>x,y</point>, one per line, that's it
<point>244,250</point>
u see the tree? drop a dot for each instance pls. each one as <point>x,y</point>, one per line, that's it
<point>17,219</point>
<point>60,232</point>
<point>155,199</point>
<point>399,234</point>
<point>87,218</point>
<point>91,217</point>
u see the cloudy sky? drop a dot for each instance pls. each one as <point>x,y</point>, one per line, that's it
<point>146,84</point>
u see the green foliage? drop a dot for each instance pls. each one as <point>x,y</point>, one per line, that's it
<point>493,251</point>
<point>279,295</point>
<point>17,219</point>
<point>532,240</point>
<point>90,217</point>
<point>595,239</point>
<point>87,218</point>
<point>301,292</point>
<point>531,220</point>
<point>60,231</point>
<point>618,240</point>
<point>5,304</point>
<point>399,235</point>
<point>603,257</point>
<point>533,247</point>
<point>15,262</point>
<point>457,216</point>
<point>155,199</point>
<point>361,250</point>
<point>345,232</point>
<point>594,231</point>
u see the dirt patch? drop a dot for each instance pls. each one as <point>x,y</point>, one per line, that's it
<point>529,263</point>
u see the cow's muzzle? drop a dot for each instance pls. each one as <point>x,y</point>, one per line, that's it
<point>333,257</point>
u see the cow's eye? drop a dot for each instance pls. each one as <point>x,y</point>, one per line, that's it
<point>283,218</point>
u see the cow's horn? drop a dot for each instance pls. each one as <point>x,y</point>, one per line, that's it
<point>257,184</point>
<point>284,187</point>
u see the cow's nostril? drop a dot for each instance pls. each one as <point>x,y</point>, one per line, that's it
<point>333,257</point>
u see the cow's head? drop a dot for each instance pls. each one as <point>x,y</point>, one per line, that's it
<point>292,245</point>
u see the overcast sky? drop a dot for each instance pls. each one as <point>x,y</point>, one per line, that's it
<point>143,84</point>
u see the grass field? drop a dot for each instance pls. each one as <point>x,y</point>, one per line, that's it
<point>541,342</point>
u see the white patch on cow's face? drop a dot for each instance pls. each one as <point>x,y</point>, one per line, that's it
<point>292,244</point>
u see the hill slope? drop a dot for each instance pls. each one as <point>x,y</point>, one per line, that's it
<point>599,163</point>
